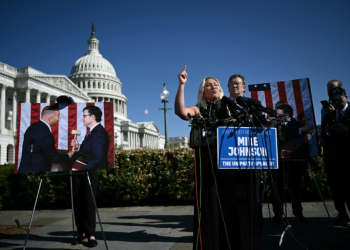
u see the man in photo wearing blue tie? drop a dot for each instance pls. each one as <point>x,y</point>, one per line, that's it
<point>95,145</point>
<point>335,134</point>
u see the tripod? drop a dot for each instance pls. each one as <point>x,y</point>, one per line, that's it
<point>71,175</point>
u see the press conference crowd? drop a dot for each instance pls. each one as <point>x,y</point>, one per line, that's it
<point>228,205</point>
<point>230,215</point>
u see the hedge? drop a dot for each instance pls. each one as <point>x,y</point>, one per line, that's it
<point>141,176</point>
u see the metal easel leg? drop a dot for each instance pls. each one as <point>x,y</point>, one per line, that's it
<point>71,195</point>
<point>31,218</point>
<point>98,215</point>
<point>319,191</point>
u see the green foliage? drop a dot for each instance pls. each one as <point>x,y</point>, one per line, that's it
<point>140,176</point>
<point>148,174</point>
<point>309,191</point>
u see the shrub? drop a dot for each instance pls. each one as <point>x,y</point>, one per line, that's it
<point>141,176</point>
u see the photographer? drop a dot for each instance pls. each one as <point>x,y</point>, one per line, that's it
<point>293,150</point>
<point>335,134</point>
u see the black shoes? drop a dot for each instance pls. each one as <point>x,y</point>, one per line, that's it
<point>92,243</point>
<point>77,240</point>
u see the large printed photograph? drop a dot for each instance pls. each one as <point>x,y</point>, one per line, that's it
<point>46,132</point>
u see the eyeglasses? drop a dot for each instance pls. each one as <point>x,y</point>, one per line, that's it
<point>86,115</point>
<point>235,83</point>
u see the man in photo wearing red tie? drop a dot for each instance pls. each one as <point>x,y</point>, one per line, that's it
<point>335,134</point>
<point>95,145</point>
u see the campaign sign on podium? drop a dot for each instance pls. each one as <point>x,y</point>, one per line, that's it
<point>247,148</point>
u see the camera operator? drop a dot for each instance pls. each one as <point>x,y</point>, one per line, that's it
<point>335,134</point>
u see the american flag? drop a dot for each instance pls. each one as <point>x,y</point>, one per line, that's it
<point>71,118</point>
<point>297,93</point>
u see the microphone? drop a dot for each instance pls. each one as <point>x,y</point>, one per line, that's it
<point>240,100</point>
<point>231,103</point>
<point>253,102</point>
<point>255,105</point>
<point>32,142</point>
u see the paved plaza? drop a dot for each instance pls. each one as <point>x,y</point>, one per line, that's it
<point>168,228</point>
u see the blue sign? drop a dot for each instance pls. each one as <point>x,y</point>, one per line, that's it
<point>247,148</point>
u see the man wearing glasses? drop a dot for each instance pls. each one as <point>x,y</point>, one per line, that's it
<point>335,134</point>
<point>95,145</point>
<point>244,182</point>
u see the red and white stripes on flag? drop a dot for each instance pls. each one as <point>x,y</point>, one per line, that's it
<point>297,93</point>
<point>71,118</point>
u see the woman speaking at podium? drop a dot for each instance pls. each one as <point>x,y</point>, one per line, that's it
<point>217,217</point>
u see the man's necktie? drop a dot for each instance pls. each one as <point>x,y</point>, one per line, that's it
<point>340,116</point>
<point>87,132</point>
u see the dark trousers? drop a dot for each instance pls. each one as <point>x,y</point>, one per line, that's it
<point>84,207</point>
<point>338,172</point>
<point>289,174</point>
<point>240,204</point>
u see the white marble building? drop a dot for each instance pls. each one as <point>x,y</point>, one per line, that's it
<point>182,142</point>
<point>92,78</point>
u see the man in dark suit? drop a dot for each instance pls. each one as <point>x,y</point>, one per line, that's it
<point>236,86</point>
<point>39,151</point>
<point>242,185</point>
<point>291,168</point>
<point>95,145</point>
<point>335,134</point>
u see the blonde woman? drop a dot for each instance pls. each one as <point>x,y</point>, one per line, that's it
<point>209,90</point>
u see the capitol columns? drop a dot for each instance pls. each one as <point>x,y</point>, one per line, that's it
<point>3,103</point>
<point>38,97</point>
<point>14,110</point>
<point>48,97</point>
<point>27,100</point>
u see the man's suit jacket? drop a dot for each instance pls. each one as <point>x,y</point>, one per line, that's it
<point>96,145</point>
<point>336,139</point>
<point>293,141</point>
<point>44,151</point>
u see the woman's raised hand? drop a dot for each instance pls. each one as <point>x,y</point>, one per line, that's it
<point>182,76</point>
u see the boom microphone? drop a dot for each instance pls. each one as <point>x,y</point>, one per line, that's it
<point>240,100</point>
<point>232,105</point>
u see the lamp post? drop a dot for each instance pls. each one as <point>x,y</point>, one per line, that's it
<point>164,96</point>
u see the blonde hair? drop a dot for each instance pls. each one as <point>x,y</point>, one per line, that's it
<point>202,102</point>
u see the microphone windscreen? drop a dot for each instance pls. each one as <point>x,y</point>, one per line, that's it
<point>253,102</point>
<point>240,100</point>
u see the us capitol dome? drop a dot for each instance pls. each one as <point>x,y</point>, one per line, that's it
<point>96,76</point>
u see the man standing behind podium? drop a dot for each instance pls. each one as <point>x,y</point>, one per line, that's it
<point>245,183</point>
<point>95,145</point>
<point>39,150</point>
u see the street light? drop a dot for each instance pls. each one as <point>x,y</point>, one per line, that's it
<point>164,96</point>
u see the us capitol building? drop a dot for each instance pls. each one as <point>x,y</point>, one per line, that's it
<point>92,79</point>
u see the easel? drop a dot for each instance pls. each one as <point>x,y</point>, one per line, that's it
<point>71,189</point>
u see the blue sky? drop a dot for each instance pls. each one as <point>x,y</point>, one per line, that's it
<point>149,42</point>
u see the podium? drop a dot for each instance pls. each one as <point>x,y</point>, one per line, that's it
<point>247,148</point>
